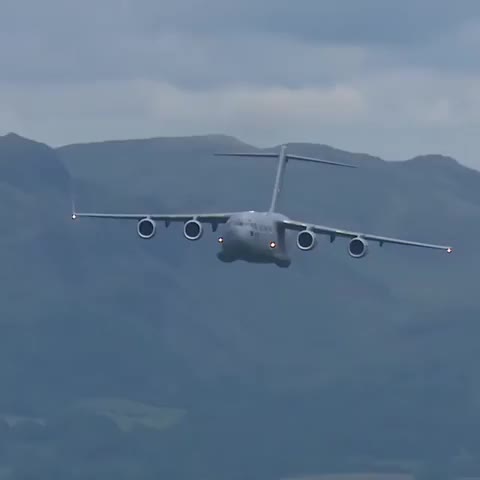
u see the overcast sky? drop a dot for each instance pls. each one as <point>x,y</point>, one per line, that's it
<point>387,77</point>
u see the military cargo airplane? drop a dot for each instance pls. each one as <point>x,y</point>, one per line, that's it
<point>259,237</point>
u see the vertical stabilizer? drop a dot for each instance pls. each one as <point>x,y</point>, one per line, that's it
<point>282,158</point>
<point>282,163</point>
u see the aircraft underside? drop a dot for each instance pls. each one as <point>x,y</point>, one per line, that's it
<point>283,262</point>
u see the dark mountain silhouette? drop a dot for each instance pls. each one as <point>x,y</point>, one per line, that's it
<point>334,364</point>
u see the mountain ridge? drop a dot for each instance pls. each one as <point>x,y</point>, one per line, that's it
<point>230,140</point>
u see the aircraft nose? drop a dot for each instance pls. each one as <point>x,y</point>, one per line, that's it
<point>239,235</point>
<point>244,233</point>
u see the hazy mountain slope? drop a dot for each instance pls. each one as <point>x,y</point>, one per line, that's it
<point>420,199</point>
<point>281,372</point>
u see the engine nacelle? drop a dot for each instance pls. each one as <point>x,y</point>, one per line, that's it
<point>358,247</point>
<point>306,240</point>
<point>146,228</point>
<point>193,230</point>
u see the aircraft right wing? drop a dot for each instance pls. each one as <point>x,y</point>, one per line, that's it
<point>146,221</point>
<point>172,217</point>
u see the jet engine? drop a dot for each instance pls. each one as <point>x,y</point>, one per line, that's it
<point>192,230</point>
<point>146,228</point>
<point>358,247</point>
<point>306,240</point>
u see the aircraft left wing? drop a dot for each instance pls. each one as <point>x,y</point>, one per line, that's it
<point>334,232</point>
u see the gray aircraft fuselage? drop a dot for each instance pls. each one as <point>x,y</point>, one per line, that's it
<point>254,237</point>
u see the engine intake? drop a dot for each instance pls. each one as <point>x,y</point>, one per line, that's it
<point>146,228</point>
<point>358,247</point>
<point>306,240</point>
<point>193,230</point>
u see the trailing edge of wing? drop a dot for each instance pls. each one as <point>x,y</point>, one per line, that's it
<point>318,160</point>
<point>333,232</point>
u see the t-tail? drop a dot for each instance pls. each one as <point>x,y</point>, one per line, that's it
<point>283,158</point>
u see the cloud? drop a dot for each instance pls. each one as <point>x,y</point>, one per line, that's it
<point>346,21</point>
<point>396,114</point>
<point>391,78</point>
<point>207,42</point>
<point>108,108</point>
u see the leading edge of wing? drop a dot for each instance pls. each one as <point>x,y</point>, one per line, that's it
<point>333,232</point>
<point>173,217</point>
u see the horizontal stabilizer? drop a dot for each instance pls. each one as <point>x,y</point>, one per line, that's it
<point>283,158</point>
<point>318,160</point>
<point>252,154</point>
<point>287,157</point>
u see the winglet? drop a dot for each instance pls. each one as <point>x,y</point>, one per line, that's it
<point>72,199</point>
<point>74,215</point>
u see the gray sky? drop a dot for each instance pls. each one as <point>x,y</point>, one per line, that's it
<point>392,78</point>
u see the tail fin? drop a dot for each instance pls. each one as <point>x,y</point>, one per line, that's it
<point>283,158</point>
